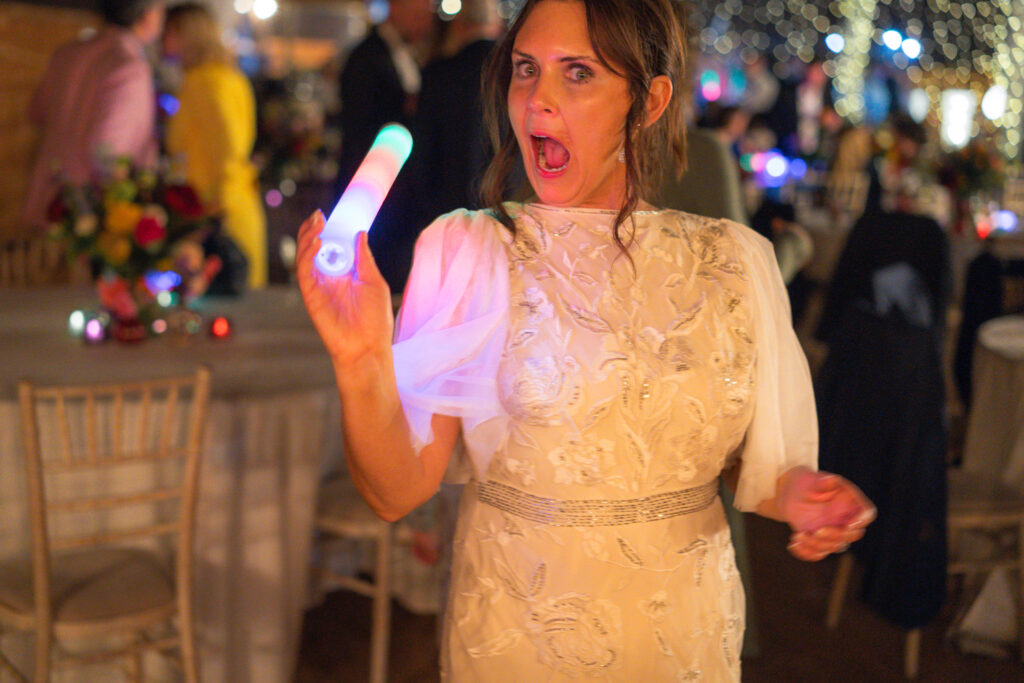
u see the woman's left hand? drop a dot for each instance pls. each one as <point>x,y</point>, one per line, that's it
<point>825,511</point>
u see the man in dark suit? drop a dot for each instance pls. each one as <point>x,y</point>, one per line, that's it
<point>380,83</point>
<point>451,149</point>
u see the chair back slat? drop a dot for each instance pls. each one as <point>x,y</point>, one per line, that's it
<point>117,438</point>
<point>125,458</point>
<point>147,404</point>
<point>115,537</point>
<point>116,461</point>
<point>91,447</point>
<point>106,502</point>
<point>170,411</point>
<point>65,430</point>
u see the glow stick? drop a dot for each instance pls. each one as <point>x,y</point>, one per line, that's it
<point>361,200</point>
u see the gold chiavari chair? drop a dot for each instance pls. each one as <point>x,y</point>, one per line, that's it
<point>112,484</point>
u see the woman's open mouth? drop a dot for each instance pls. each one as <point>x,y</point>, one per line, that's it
<point>551,155</point>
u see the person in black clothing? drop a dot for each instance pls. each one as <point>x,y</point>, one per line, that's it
<point>450,151</point>
<point>380,83</point>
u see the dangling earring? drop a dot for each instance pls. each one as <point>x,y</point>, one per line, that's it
<point>622,154</point>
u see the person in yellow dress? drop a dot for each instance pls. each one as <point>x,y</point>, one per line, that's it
<point>212,134</point>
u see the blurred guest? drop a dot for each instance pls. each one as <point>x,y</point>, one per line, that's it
<point>906,175</point>
<point>728,124</point>
<point>451,150</point>
<point>214,130</point>
<point>96,101</point>
<point>710,186</point>
<point>380,83</point>
<point>813,95</point>
<point>795,118</point>
<point>762,86</point>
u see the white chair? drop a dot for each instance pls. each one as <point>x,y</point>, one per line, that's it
<point>341,512</point>
<point>112,484</point>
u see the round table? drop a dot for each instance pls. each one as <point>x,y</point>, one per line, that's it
<point>273,429</point>
<point>994,445</point>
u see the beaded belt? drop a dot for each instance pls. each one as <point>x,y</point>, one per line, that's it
<point>555,512</point>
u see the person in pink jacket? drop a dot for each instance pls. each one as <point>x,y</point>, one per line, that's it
<point>96,101</point>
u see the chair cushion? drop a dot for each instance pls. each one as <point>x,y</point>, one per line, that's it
<point>93,584</point>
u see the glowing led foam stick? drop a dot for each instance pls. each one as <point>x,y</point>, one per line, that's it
<point>361,200</point>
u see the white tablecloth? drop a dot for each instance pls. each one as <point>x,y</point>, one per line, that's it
<point>994,445</point>
<point>273,429</point>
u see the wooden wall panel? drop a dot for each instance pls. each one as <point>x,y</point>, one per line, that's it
<point>29,33</point>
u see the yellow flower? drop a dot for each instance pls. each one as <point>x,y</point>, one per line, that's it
<point>122,217</point>
<point>115,250</point>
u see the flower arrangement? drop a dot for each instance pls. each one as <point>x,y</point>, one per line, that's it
<point>141,234</point>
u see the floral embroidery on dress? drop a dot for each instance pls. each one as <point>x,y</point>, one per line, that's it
<point>576,634</point>
<point>583,462</point>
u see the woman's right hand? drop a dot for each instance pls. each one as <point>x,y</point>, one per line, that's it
<point>351,312</point>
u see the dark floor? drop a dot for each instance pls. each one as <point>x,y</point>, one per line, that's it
<point>790,602</point>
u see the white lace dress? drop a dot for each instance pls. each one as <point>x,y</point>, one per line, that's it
<point>600,398</point>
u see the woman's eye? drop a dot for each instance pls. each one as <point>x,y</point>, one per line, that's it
<point>580,74</point>
<point>524,69</point>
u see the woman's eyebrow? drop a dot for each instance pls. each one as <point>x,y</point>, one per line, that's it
<point>567,58</point>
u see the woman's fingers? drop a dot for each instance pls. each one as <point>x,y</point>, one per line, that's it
<point>813,546</point>
<point>365,266</point>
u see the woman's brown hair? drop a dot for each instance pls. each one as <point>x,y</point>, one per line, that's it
<point>635,39</point>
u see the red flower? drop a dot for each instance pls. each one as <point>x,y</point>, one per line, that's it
<point>56,210</point>
<point>148,230</point>
<point>183,199</point>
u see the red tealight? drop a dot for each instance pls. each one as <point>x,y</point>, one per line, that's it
<point>220,328</point>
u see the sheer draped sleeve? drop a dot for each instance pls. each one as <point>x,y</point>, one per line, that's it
<point>451,331</point>
<point>784,430</point>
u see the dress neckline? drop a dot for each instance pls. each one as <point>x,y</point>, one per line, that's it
<point>575,209</point>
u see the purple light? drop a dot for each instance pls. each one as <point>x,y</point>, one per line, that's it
<point>94,332</point>
<point>162,280</point>
<point>798,168</point>
<point>169,103</point>
<point>274,198</point>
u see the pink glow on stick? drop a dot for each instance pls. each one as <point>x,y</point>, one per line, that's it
<point>361,200</point>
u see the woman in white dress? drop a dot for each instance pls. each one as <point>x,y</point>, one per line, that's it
<point>604,362</point>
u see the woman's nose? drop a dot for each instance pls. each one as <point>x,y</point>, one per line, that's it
<point>543,97</point>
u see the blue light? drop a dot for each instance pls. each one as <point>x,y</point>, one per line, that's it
<point>162,280</point>
<point>1005,220</point>
<point>892,39</point>
<point>835,42</point>
<point>798,168</point>
<point>911,48</point>
<point>169,103</point>
<point>776,166</point>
